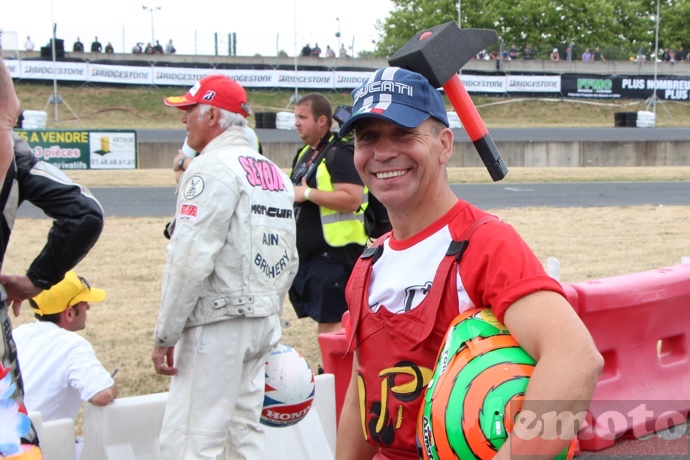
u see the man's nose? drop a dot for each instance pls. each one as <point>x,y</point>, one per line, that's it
<point>384,148</point>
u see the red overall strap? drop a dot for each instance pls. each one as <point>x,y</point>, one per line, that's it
<point>361,273</point>
<point>453,255</point>
<point>359,279</point>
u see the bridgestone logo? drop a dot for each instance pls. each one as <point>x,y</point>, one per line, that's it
<point>310,79</point>
<point>357,80</point>
<point>252,78</point>
<point>178,76</point>
<point>532,84</point>
<point>483,84</point>
<point>49,70</point>
<point>119,74</point>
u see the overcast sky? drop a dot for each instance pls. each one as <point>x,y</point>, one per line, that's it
<point>262,26</point>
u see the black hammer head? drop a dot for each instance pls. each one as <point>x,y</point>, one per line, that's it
<point>439,52</point>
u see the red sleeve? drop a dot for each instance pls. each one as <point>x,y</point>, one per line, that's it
<point>499,268</point>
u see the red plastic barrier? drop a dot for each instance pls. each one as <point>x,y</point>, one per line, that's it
<point>337,362</point>
<point>640,325</point>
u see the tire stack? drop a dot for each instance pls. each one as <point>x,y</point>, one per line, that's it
<point>258,120</point>
<point>34,119</point>
<point>285,120</point>
<point>269,120</point>
<point>646,119</point>
<point>625,119</point>
<point>265,120</point>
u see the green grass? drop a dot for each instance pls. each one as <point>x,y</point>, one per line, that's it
<point>142,108</point>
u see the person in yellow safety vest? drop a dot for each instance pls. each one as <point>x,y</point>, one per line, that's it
<point>329,199</point>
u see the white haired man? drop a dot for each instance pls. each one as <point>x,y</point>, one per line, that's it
<point>230,262</point>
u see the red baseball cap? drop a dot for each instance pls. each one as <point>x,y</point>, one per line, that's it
<point>216,90</point>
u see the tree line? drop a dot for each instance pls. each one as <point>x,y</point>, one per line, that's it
<point>621,28</point>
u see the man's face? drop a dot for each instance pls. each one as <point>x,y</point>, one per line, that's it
<point>402,167</point>
<point>196,127</point>
<point>78,322</point>
<point>309,130</point>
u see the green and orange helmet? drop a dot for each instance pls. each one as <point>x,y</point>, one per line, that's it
<point>475,392</point>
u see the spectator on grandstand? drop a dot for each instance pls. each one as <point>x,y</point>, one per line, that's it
<point>316,51</point>
<point>158,49</point>
<point>306,50</point>
<point>514,52</point>
<point>554,56</point>
<point>343,51</point>
<point>136,49</point>
<point>109,48</point>
<point>169,48</point>
<point>78,46</point>
<point>587,56</point>
<point>597,56</point>
<point>527,54</point>
<point>568,53</point>
<point>681,54</point>
<point>96,46</point>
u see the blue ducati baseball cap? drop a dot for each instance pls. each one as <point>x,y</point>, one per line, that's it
<point>396,95</point>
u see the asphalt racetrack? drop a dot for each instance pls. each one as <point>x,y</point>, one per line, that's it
<point>160,201</point>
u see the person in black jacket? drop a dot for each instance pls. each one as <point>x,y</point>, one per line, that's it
<point>77,224</point>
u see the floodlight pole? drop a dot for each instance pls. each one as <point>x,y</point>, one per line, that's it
<point>55,90</point>
<point>460,14</point>
<point>151,9</point>
<point>656,55</point>
<point>294,25</point>
<point>337,55</point>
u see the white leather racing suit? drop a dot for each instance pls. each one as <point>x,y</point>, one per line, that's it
<point>230,261</point>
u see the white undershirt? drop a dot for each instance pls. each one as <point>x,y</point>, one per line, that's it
<point>401,279</point>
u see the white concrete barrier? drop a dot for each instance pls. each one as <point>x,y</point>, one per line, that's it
<point>56,437</point>
<point>128,429</point>
<point>125,429</point>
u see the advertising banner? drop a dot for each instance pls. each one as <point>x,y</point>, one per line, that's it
<point>178,75</point>
<point>590,86</point>
<point>249,78</point>
<point>533,83</point>
<point>83,149</point>
<point>47,70</point>
<point>303,79</point>
<point>122,74</point>
<point>625,87</point>
<point>484,83</point>
<point>350,80</point>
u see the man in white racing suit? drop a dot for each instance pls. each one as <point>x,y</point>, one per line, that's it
<point>230,262</point>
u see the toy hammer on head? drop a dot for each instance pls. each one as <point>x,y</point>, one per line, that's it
<point>438,54</point>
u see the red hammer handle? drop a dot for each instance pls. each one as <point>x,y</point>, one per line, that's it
<point>475,127</point>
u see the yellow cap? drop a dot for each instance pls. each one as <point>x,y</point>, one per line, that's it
<point>68,292</point>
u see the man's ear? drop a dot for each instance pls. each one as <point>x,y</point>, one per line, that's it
<point>66,316</point>
<point>322,121</point>
<point>214,116</point>
<point>445,138</point>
